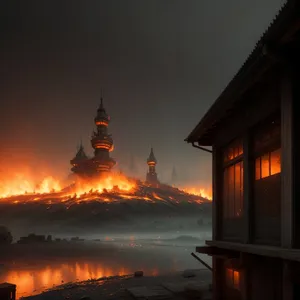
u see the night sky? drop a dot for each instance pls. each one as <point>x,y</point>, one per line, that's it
<point>160,63</point>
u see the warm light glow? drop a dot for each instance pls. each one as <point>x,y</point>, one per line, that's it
<point>198,191</point>
<point>104,123</point>
<point>268,164</point>
<point>34,281</point>
<point>233,278</point>
<point>19,185</point>
<point>107,183</point>
<point>110,187</point>
<point>234,150</point>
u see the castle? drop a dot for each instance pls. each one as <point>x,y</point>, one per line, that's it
<point>102,144</point>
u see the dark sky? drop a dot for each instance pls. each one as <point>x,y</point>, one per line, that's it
<point>161,64</point>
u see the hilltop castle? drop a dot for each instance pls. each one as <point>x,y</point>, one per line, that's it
<point>102,144</point>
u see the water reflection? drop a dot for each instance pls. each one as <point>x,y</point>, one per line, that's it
<point>34,279</point>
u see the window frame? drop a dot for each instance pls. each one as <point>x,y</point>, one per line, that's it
<point>229,210</point>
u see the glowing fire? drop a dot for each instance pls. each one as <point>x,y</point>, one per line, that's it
<point>113,187</point>
<point>20,185</point>
<point>204,193</point>
<point>108,183</point>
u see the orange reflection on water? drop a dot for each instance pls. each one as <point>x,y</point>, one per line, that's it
<point>33,280</point>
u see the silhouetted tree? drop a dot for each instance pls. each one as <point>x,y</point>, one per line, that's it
<point>5,236</point>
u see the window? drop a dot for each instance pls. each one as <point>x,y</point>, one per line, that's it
<point>266,152</point>
<point>233,181</point>
<point>233,279</point>
<point>268,164</point>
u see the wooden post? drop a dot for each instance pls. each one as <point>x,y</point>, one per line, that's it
<point>286,163</point>
<point>287,178</point>
<point>216,204</point>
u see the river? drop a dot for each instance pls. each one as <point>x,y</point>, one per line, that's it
<point>32,276</point>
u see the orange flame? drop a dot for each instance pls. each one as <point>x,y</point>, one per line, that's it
<point>20,185</point>
<point>202,192</point>
<point>109,183</point>
<point>113,187</point>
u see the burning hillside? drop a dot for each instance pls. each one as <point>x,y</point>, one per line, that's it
<point>111,188</point>
<point>114,202</point>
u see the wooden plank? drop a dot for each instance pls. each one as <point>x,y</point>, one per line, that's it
<point>216,201</point>
<point>286,163</point>
<point>271,251</point>
<point>214,251</point>
<point>247,175</point>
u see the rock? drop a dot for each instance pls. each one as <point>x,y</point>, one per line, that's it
<point>188,274</point>
<point>85,298</point>
<point>138,274</point>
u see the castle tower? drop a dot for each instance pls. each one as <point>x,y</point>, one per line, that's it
<point>79,161</point>
<point>102,142</point>
<point>151,177</point>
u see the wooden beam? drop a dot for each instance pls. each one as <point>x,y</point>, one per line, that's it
<point>217,199</point>
<point>270,251</point>
<point>286,162</point>
<point>220,253</point>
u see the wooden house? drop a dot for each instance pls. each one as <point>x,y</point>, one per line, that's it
<point>254,133</point>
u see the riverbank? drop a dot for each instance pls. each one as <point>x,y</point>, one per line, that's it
<point>179,285</point>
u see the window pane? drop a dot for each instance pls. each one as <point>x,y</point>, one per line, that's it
<point>265,165</point>
<point>237,189</point>
<point>229,277</point>
<point>257,168</point>
<point>234,150</point>
<point>242,188</point>
<point>276,162</point>
<point>225,193</point>
<point>231,191</point>
<point>236,280</point>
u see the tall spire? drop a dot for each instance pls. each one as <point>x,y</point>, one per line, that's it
<point>151,159</point>
<point>101,99</point>
<point>151,177</point>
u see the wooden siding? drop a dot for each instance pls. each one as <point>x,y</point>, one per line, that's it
<point>266,210</point>
<point>265,279</point>
<point>230,290</point>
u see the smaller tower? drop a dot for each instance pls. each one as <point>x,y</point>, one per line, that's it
<point>151,177</point>
<point>78,162</point>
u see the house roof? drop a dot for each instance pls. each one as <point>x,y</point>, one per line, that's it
<point>255,63</point>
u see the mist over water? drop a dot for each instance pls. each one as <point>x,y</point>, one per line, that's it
<point>115,254</point>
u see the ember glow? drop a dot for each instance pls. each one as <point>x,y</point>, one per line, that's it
<point>202,192</point>
<point>113,187</point>
<point>19,184</point>
<point>109,183</point>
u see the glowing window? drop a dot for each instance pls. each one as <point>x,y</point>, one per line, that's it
<point>233,192</point>
<point>234,150</point>
<point>268,164</point>
<point>233,279</point>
